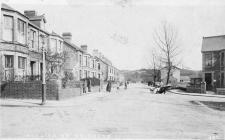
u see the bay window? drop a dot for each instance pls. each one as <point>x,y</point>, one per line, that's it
<point>21,27</point>
<point>8,28</point>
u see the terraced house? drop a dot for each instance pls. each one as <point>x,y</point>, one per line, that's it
<point>21,45</point>
<point>24,40</point>
<point>74,57</point>
<point>107,71</point>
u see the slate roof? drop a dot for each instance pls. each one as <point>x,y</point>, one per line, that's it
<point>5,6</point>
<point>55,34</point>
<point>73,45</point>
<point>213,43</point>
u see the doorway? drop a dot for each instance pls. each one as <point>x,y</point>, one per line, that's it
<point>41,70</point>
<point>32,68</point>
<point>208,80</point>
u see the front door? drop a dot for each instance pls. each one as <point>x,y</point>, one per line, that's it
<point>41,69</point>
<point>32,63</point>
<point>208,80</point>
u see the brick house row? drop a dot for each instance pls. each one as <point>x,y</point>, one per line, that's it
<point>23,37</point>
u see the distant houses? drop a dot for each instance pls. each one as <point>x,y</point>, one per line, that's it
<point>22,39</point>
<point>174,78</point>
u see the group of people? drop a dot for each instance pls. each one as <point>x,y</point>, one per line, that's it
<point>109,85</point>
<point>86,84</point>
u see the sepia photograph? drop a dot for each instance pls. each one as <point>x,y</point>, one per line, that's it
<point>112,69</point>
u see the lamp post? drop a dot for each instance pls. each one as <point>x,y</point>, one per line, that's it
<point>43,94</point>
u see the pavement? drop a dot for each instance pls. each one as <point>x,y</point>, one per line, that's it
<point>208,94</point>
<point>132,113</point>
<point>10,102</point>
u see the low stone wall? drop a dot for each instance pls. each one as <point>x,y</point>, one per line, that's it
<point>33,90</point>
<point>29,90</point>
<point>69,93</point>
<point>194,90</point>
<point>72,84</point>
<point>220,91</point>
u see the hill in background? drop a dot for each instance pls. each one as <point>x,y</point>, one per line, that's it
<point>148,74</point>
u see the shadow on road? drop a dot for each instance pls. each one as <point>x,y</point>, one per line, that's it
<point>215,105</point>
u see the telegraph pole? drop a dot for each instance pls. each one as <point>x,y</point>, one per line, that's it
<point>43,74</point>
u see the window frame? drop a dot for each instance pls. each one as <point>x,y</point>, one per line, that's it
<point>11,29</point>
<point>222,79</point>
<point>210,60</point>
<point>222,59</point>
<point>11,62</point>
<point>21,31</point>
<point>99,67</point>
<point>32,38</point>
<point>23,62</point>
<point>60,46</point>
<point>93,63</point>
<point>80,58</point>
<point>86,61</point>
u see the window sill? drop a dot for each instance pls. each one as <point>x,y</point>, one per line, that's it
<point>14,42</point>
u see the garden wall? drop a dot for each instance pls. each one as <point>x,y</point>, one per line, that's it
<point>29,90</point>
<point>220,91</point>
<point>33,90</point>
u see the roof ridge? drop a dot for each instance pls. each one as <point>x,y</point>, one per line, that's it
<point>73,45</point>
<point>214,36</point>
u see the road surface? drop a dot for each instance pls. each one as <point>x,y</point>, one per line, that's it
<point>131,113</point>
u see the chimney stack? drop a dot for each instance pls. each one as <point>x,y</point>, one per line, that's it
<point>84,48</point>
<point>95,53</point>
<point>30,13</point>
<point>67,36</point>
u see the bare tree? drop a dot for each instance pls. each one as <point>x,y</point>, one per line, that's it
<point>166,41</point>
<point>154,63</point>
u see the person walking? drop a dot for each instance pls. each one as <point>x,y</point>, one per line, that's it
<point>84,86</point>
<point>125,85</point>
<point>89,85</point>
<point>108,87</point>
<point>118,85</point>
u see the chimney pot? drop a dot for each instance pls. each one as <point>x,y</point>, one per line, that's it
<point>84,48</point>
<point>67,36</point>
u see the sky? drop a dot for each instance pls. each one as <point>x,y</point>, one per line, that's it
<point>123,29</point>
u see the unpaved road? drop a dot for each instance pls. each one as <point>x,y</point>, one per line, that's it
<point>132,113</point>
